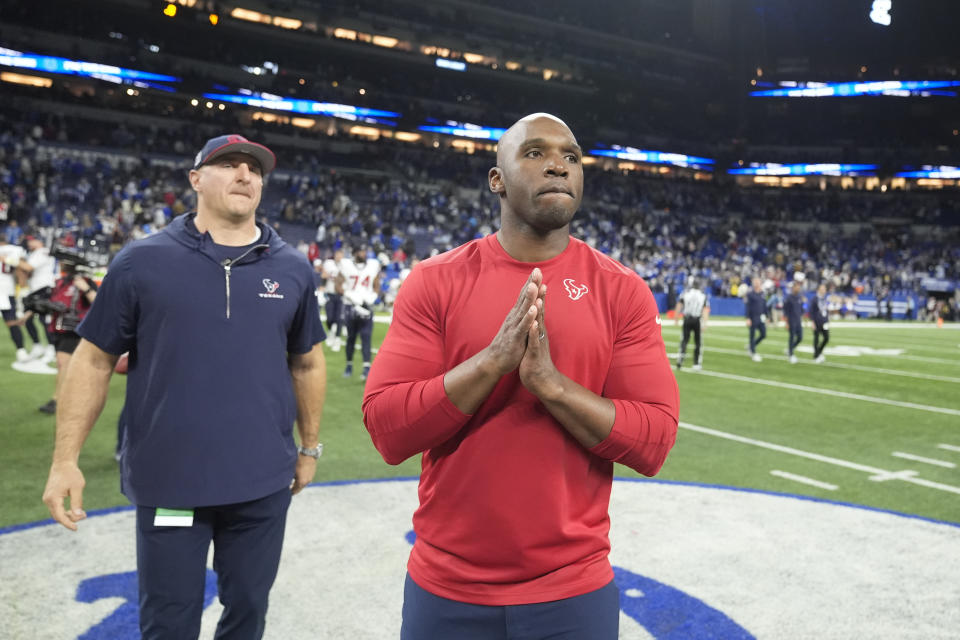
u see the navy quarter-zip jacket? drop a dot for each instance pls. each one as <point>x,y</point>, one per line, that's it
<point>210,406</point>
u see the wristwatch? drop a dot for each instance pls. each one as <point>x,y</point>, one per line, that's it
<point>313,453</point>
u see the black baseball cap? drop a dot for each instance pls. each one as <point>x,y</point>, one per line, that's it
<point>233,143</point>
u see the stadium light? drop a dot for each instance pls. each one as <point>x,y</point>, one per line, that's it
<point>880,12</point>
<point>453,65</point>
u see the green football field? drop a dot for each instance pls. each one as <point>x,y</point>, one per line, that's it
<point>877,424</point>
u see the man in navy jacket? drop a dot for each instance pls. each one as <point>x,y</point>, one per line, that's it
<point>756,312</point>
<point>821,323</point>
<point>793,312</point>
<point>221,322</point>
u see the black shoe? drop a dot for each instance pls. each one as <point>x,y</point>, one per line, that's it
<point>50,407</point>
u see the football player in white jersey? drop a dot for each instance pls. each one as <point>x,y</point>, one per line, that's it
<point>360,278</point>
<point>333,292</point>
<point>10,257</point>
<point>39,270</point>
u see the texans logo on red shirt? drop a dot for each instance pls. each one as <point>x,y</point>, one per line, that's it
<point>574,290</point>
<point>270,285</point>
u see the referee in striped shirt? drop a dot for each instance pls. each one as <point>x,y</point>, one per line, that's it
<point>695,307</point>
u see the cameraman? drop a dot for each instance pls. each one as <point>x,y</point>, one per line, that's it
<point>72,296</point>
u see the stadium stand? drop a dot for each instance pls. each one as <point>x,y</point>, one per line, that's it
<point>91,161</point>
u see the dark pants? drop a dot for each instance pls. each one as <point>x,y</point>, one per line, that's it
<point>357,326</point>
<point>172,561</point>
<point>591,616</point>
<point>819,334</point>
<point>796,335</point>
<point>690,325</point>
<point>757,327</point>
<point>334,311</point>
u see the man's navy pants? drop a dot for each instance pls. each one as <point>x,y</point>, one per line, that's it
<point>172,564</point>
<point>591,616</point>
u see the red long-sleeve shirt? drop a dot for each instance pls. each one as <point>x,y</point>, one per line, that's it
<point>513,510</point>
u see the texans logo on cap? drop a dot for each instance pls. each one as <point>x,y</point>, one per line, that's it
<point>233,143</point>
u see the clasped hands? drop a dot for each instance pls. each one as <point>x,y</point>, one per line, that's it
<point>522,343</point>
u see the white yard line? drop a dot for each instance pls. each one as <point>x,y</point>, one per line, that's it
<point>831,392</point>
<point>834,324</point>
<point>916,458</point>
<point>949,447</point>
<point>877,475</point>
<point>907,356</point>
<point>707,338</point>
<point>803,479</point>
<point>839,365</point>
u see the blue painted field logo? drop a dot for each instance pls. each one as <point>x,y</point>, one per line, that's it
<point>124,622</point>
<point>666,613</point>
<point>690,561</point>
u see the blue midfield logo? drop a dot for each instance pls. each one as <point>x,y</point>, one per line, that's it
<point>665,612</point>
<point>124,622</point>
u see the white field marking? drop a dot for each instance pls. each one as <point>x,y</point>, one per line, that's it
<point>744,341</point>
<point>933,461</point>
<point>881,474</point>
<point>930,360</point>
<point>831,392</point>
<point>949,447</point>
<point>842,365</point>
<point>855,341</point>
<point>893,475</point>
<point>803,479</point>
<point>839,324</point>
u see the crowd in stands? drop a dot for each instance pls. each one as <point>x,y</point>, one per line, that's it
<point>431,201</point>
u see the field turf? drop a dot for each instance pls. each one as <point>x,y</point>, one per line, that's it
<point>877,424</point>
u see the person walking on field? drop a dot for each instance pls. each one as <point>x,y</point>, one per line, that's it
<point>756,312</point>
<point>694,305</point>
<point>222,325</point>
<point>793,313</point>
<point>821,323</point>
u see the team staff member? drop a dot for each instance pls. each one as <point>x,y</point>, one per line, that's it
<point>793,313</point>
<point>522,365</point>
<point>695,307</point>
<point>821,323</point>
<point>74,293</point>
<point>756,312</point>
<point>222,325</point>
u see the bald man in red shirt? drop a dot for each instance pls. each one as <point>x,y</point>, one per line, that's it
<point>522,366</point>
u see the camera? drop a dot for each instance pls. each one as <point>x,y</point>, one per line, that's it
<point>39,302</point>
<point>72,261</point>
<point>67,318</point>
